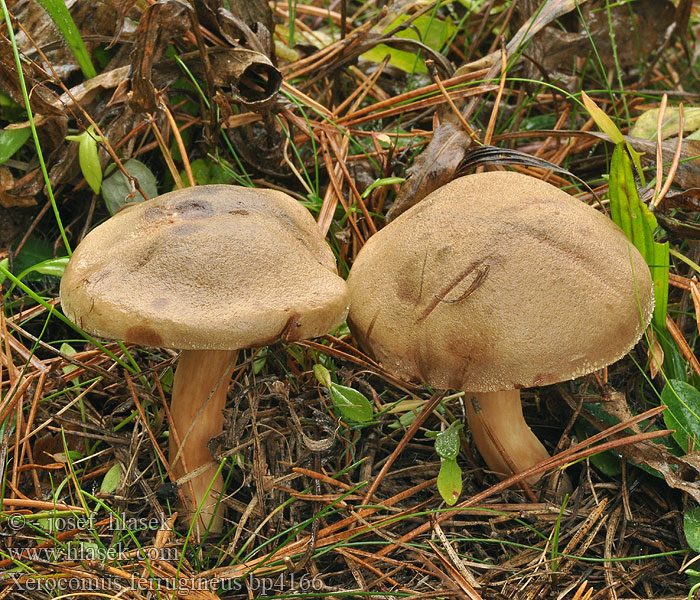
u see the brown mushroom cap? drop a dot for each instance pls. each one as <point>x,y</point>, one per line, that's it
<point>499,281</point>
<point>212,267</point>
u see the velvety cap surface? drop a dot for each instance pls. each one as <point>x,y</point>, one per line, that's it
<point>498,281</point>
<point>210,267</point>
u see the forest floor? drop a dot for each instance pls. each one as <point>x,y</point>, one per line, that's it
<point>358,110</point>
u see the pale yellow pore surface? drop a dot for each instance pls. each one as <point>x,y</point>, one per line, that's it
<point>213,267</point>
<point>498,281</point>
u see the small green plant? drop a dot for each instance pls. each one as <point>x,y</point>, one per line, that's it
<point>350,403</point>
<point>447,445</point>
<point>680,393</point>
<point>426,29</point>
<point>118,191</point>
<point>88,158</point>
<point>111,480</point>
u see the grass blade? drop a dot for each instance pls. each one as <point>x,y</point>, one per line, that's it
<point>607,126</point>
<point>638,223</point>
<point>56,9</point>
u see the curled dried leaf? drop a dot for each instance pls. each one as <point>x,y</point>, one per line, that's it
<point>7,198</point>
<point>255,80</point>
<point>433,168</point>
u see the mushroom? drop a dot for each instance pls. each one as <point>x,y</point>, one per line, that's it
<point>493,283</point>
<point>208,270</point>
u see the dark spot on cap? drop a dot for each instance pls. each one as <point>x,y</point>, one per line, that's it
<point>193,209</point>
<point>142,259</point>
<point>187,229</point>
<point>145,336</point>
<point>406,290</point>
<point>238,211</point>
<point>153,212</point>
<point>159,303</point>
<point>444,254</point>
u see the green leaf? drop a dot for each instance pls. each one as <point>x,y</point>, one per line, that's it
<point>606,125</point>
<point>447,442</point>
<point>111,480</point>
<point>380,182</point>
<point>323,375</point>
<point>427,29</point>
<point>5,100</point>
<point>646,126</point>
<point>599,410</point>
<point>88,157</point>
<point>116,189</point>
<point>68,350</point>
<point>201,169</point>
<point>205,172</point>
<point>404,421</point>
<point>57,10</point>
<point>89,160</point>
<point>10,110</point>
<point>260,360</point>
<point>547,121</point>
<point>166,380</point>
<point>691,527</point>
<point>351,403</point>
<point>602,120</point>
<point>64,457</point>
<point>638,223</point>
<point>5,264</point>
<point>12,140</point>
<point>683,413</point>
<point>674,365</point>
<point>449,481</point>
<point>53,266</point>
<point>48,524</point>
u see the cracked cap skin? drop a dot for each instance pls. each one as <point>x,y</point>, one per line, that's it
<point>212,267</point>
<point>498,281</point>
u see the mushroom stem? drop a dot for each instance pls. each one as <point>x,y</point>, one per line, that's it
<point>500,414</point>
<point>199,396</point>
